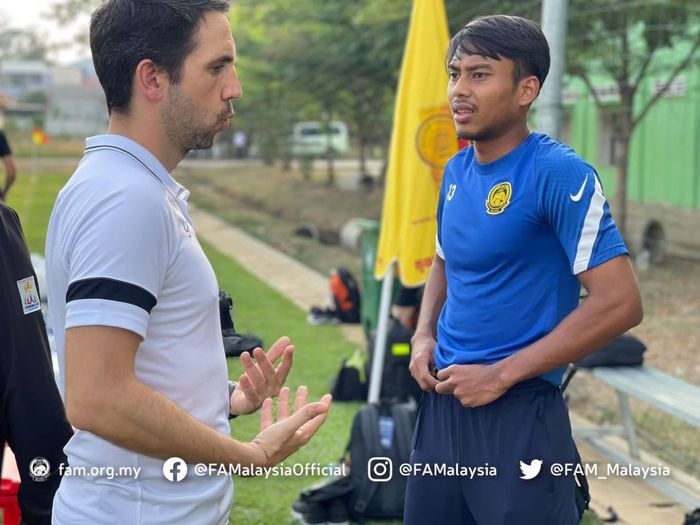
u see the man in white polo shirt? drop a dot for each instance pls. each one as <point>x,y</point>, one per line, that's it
<point>133,297</point>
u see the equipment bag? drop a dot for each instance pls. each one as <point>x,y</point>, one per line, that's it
<point>346,295</point>
<point>351,382</point>
<point>625,350</point>
<point>397,382</point>
<point>379,432</point>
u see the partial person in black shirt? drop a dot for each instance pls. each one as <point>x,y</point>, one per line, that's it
<point>32,417</point>
<point>9,163</point>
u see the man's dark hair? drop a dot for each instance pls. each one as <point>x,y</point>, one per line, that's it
<point>125,32</point>
<point>503,36</point>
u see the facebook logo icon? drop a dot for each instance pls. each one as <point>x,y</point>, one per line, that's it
<point>175,469</point>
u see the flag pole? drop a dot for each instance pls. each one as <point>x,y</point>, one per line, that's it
<point>377,368</point>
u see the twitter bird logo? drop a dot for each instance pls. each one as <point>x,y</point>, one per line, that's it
<point>530,471</point>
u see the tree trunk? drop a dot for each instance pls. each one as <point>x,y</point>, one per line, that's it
<point>330,153</point>
<point>363,156</point>
<point>385,165</point>
<point>623,137</point>
<point>331,168</point>
<point>622,144</point>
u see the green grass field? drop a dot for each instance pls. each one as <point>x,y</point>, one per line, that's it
<point>259,310</point>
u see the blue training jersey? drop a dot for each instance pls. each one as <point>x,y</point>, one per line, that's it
<point>514,234</point>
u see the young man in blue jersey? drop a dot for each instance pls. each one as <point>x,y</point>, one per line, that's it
<point>522,224</point>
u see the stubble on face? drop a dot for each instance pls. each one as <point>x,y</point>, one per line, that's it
<point>188,126</point>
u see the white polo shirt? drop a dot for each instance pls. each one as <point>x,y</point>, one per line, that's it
<point>122,251</point>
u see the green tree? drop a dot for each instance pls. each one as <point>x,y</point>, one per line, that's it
<point>21,44</point>
<point>628,43</point>
<point>332,60</point>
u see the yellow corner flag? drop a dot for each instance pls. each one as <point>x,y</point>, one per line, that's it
<point>39,137</point>
<point>422,142</point>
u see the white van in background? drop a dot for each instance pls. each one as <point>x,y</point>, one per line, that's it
<point>312,139</point>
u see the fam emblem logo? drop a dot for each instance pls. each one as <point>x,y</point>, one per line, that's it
<point>499,198</point>
<point>29,295</point>
<point>39,469</point>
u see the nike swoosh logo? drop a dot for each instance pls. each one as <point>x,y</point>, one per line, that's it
<point>578,196</point>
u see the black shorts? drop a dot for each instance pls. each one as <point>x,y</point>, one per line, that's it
<point>528,423</point>
<point>4,145</point>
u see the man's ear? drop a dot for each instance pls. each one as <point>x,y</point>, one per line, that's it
<point>150,80</point>
<point>529,90</point>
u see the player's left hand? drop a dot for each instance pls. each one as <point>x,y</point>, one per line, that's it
<point>473,385</point>
<point>261,379</point>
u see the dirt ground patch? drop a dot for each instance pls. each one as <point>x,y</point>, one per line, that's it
<point>270,204</point>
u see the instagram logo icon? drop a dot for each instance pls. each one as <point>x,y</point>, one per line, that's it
<point>379,470</point>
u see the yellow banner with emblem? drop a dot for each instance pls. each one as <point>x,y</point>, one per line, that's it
<point>422,141</point>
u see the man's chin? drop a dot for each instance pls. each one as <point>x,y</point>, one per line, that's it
<point>472,136</point>
<point>203,143</point>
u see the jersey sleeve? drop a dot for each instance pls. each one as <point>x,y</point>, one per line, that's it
<point>116,259</point>
<point>440,206</point>
<point>571,199</point>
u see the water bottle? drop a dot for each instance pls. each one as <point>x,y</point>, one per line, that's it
<point>386,431</point>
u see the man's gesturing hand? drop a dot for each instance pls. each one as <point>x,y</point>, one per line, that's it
<point>260,379</point>
<point>473,385</point>
<point>277,441</point>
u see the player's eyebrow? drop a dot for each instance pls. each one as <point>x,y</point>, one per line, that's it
<point>223,59</point>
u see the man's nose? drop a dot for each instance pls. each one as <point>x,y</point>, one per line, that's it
<point>233,88</point>
<point>461,87</point>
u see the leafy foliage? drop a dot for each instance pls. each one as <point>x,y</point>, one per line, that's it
<point>21,44</point>
<point>627,43</point>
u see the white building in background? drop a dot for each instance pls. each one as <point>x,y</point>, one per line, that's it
<point>21,77</point>
<point>75,103</point>
<point>66,76</point>
<point>76,111</point>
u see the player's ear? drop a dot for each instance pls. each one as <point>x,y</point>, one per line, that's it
<point>149,80</point>
<point>529,89</point>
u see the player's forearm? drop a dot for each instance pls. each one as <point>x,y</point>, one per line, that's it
<point>141,419</point>
<point>594,323</point>
<point>10,173</point>
<point>434,297</point>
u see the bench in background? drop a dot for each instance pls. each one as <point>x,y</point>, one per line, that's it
<point>664,392</point>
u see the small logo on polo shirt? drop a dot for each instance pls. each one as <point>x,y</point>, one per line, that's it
<point>451,193</point>
<point>188,230</point>
<point>499,198</point>
<point>29,295</point>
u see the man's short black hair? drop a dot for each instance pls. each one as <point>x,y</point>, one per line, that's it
<point>125,32</point>
<point>504,36</point>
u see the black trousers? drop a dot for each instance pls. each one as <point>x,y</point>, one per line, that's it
<point>32,416</point>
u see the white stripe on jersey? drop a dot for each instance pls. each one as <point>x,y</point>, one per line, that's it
<point>591,225</point>
<point>438,248</point>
